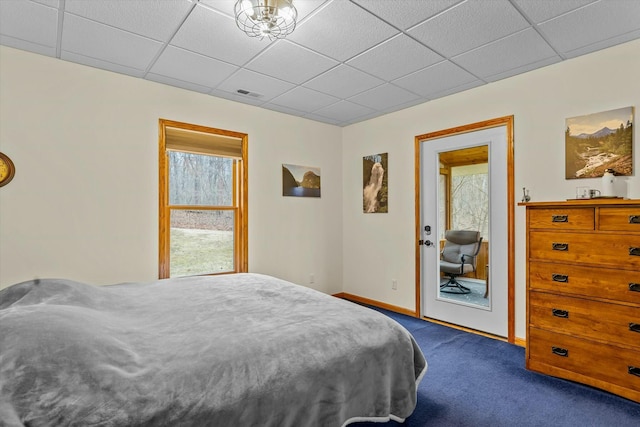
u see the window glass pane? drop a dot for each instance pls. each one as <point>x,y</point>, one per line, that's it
<point>470,198</point>
<point>201,242</point>
<point>199,180</point>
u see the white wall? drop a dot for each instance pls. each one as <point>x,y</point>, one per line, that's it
<point>381,247</point>
<point>84,202</point>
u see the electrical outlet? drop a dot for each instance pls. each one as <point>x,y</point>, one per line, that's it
<point>312,279</point>
<point>394,284</point>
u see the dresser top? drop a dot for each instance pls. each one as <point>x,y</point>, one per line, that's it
<point>584,202</point>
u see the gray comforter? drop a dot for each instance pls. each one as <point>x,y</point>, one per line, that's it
<point>236,350</point>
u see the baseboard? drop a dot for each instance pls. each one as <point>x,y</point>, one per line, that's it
<point>374,303</point>
<point>362,300</point>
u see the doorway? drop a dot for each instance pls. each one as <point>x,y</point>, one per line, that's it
<point>455,170</point>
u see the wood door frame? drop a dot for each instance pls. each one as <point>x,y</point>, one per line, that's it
<point>506,121</point>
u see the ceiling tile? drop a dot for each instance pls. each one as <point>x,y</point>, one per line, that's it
<point>383,97</point>
<point>104,65</point>
<point>303,99</point>
<point>27,46</point>
<point>469,25</point>
<point>593,23</point>
<point>434,79</point>
<point>191,67</point>
<point>347,61</point>
<point>395,58</point>
<point>50,3</point>
<point>512,52</point>
<point>361,119</point>
<point>405,13</point>
<point>156,19</point>
<point>540,11</point>
<point>283,109</point>
<point>402,106</point>
<point>213,34</point>
<point>343,82</point>
<point>94,40</point>
<point>602,44</point>
<point>523,69</point>
<point>323,119</point>
<point>304,7</point>
<point>224,6</point>
<point>25,24</point>
<point>456,89</point>
<point>256,83</point>
<point>341,30</point>
<point>234,96</point>
<point>290,62</point>
<point>177,83</point>
<point>343,111</point>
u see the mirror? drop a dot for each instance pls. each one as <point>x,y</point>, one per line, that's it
<point>463,204</point>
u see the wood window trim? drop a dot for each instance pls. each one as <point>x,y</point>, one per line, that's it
<point>240,191</point>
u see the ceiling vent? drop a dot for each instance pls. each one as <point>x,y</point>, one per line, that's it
<point>247,93</point>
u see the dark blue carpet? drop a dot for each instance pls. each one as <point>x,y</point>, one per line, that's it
<point>477,381</point>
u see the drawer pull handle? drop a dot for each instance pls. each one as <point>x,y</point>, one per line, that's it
<point>564,353</point>
<point>634,287</point>
<point>563,278</point>
<point>560,313</point>
<point>634,251</point>
<point>634,219</point>
<point>634,371</point>
<point>565,218</point>
<point>634,327</point>
<point>565,247</point>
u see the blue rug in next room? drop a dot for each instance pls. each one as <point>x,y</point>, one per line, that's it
<point>477,381</point>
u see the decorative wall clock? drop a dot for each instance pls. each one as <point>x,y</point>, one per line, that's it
<point>7,169</point>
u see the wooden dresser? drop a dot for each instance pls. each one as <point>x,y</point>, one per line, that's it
<point>583,292</point>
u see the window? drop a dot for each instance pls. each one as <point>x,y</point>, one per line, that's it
<point>203,200</point>
<point>470,198</point>
<point>464,190</point>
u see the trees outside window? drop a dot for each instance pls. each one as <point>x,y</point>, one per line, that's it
<point>470,199</point>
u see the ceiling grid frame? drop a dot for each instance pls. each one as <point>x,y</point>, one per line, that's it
<point>380,49</point>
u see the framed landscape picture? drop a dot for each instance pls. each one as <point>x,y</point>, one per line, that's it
<point>375,172</point>
<point>599,141</point>
<point>300,181</point>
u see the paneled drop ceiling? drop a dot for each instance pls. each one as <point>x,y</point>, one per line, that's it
<point>347,60</point>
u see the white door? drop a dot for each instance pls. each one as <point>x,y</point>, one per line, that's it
<point>493,316</point>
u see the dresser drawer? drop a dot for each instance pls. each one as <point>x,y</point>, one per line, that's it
<point>616,250</point>
<point>609,283</point>
<point>600,321</point>
<point>619,219</point>
<point>562,218</point>
<point>606,363</point>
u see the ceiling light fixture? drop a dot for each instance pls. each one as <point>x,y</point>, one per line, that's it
<point>274,19</point>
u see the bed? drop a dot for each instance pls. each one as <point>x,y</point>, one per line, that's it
<point>233,350</point>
